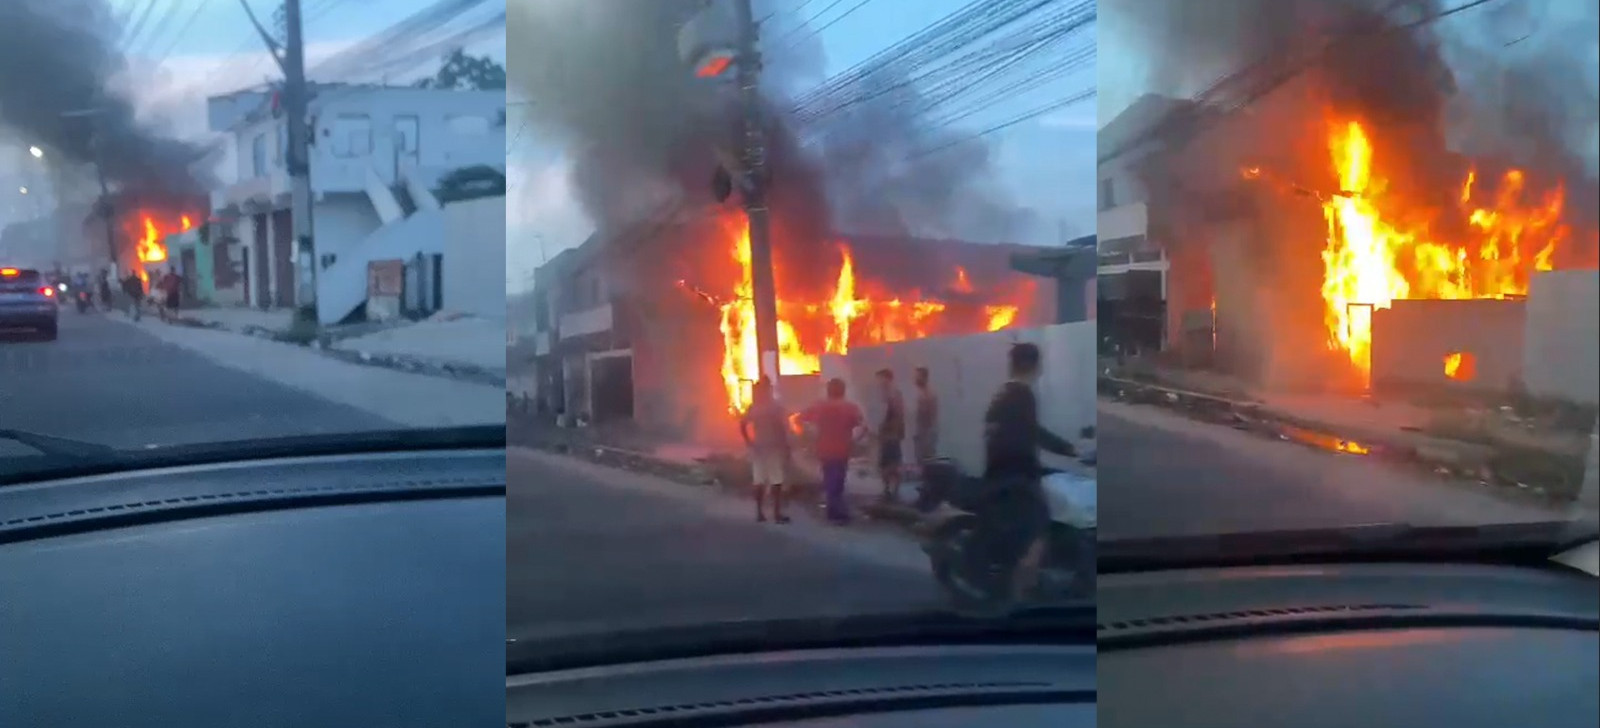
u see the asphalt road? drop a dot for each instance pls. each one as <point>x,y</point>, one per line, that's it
<point>1163,475</point>
<point>105,380</point>
<point>594,550</point>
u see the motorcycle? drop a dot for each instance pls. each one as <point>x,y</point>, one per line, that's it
<point>968,551</point>
<point>83,299</point>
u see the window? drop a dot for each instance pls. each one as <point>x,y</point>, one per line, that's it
<point>258,156</point>
<point>1108,197</point>
<point>283,142</point>
<point>407,129</point>
<point>351,135</point>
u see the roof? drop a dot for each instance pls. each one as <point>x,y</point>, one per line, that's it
<point>1142,116</point>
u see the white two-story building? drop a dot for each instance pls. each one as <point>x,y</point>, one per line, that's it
<point>375,152</point>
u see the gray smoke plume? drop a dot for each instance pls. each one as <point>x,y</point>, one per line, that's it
<point>603,80</point>
<point>57,59</point>
<point>1509,82</point>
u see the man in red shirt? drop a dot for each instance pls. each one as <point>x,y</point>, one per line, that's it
<point>837,422</point>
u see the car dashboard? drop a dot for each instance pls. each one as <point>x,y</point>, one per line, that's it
<point>1018,686</point>
<point>1368,645</point>
<point>363,589</point>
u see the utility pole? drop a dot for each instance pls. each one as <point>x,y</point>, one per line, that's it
<point>106,208</point>
<point>298,160</point>
<point>762,287</point>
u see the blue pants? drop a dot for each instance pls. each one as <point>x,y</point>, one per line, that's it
<point>833,473</point>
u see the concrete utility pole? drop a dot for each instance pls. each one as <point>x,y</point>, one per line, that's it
<point>298,160</point>
<point>748,68</point>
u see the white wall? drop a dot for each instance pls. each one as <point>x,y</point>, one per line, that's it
<point>448,138</point>
<point>966,371</point>
<point>475,257</point>
<point>1561,343</point>
<point>342,286</point>
<point>340,223</point>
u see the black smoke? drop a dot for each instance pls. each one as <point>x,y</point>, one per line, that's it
<point>57,62</point>
<point>604,81</point>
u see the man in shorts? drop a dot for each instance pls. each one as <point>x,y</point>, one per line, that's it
<point>925,419</point>
<point>891,432</point>
<point>765,429</point>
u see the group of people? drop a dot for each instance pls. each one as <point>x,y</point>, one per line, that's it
<point>1013,438</point>
<point>169,285</point>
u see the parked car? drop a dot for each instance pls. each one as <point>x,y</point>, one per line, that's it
<point>28,302</point>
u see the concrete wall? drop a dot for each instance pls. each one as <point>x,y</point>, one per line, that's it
<point>966,372</point>
<point>1562,340</point>
<point>475,257</point>
<point>1411,340</point>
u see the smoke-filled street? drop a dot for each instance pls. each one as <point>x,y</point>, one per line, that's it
<point>105,380</point>
<point>591,549</point>
<point>1163,475</point>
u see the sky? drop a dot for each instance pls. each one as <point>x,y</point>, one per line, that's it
<point>1046,163</point>
<point>190,49</point>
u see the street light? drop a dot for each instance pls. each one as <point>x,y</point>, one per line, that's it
<point>36,152</point>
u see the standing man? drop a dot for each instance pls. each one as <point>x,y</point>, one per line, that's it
<point>134,287</point>
<point>925,432</point>
<point>891,431</point>
<point>838,423</point>
<point>765,429</point>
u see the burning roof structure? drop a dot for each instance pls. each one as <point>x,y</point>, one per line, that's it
<point>1312,193</point>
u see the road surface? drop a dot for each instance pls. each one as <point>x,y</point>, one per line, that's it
<point>106,380</point>
<point>593,549</point>
<point>1164,475</point>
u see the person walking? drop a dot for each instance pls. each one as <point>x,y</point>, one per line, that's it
<point>891,432</point>
<point>134,287</point>
<point>838,424</point>
<point>171,293</point>
<point>925,419</point>
<point>1013,438</point>
<point>764,426</point>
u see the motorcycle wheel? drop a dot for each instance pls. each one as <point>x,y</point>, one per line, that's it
<point>976,588</point>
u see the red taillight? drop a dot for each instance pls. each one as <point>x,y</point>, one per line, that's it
<point>48,291</point>
<point>10,272</point>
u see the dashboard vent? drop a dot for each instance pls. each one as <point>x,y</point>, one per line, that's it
<point>1181,620</point>
<point>685,710</point>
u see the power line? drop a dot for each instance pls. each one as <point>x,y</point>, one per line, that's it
<point>1025,116</point>
<point>1252,93</point>
<point>830,23</point>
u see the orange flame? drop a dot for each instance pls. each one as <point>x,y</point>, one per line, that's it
<point>1370,259</point>
<point>847,315</point>
<point>1460,366</point>
<point>150,248</point>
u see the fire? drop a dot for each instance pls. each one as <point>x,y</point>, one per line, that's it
<point>150,248</point>
<point>1460,366</point>
<point>1371,258</point>
<point>847,315</point>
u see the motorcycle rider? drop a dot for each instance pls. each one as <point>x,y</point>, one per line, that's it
<point>1013,438</point>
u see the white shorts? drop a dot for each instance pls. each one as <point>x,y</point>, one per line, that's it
<point>767,468</point>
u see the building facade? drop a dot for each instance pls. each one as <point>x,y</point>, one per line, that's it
<point>377,153</point>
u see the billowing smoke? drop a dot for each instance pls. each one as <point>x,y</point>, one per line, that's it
<point>1509,82</point>
<point>604,81</point>
<point>57,62</point>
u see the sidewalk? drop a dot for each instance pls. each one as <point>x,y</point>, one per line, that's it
<point>1486,444</point>
<point>408,400</point>
<point>459,347</point>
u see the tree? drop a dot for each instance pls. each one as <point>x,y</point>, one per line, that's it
<point>469,183</point>
<point>462,71</point>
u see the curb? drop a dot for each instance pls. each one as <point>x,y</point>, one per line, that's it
<point>1505,466</point>
<point>412,365</point>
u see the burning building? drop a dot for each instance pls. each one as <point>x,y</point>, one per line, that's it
<point>655,325</point>
<point>140,225</point>
<point>1322,229</point>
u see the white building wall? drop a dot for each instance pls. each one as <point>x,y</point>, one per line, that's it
<point>966,371</point>
<point>475,257</point>
<point>1561,343</point>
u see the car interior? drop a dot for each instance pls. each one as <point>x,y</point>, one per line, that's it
<point>362,589</point>
<point>1362,644</point>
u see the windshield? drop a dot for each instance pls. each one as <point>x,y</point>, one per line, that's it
<point>161,286</point>
<point>1353,282</point>
<point>753,303</point>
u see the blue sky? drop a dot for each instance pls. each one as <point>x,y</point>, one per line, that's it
<point>1047,163</point>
